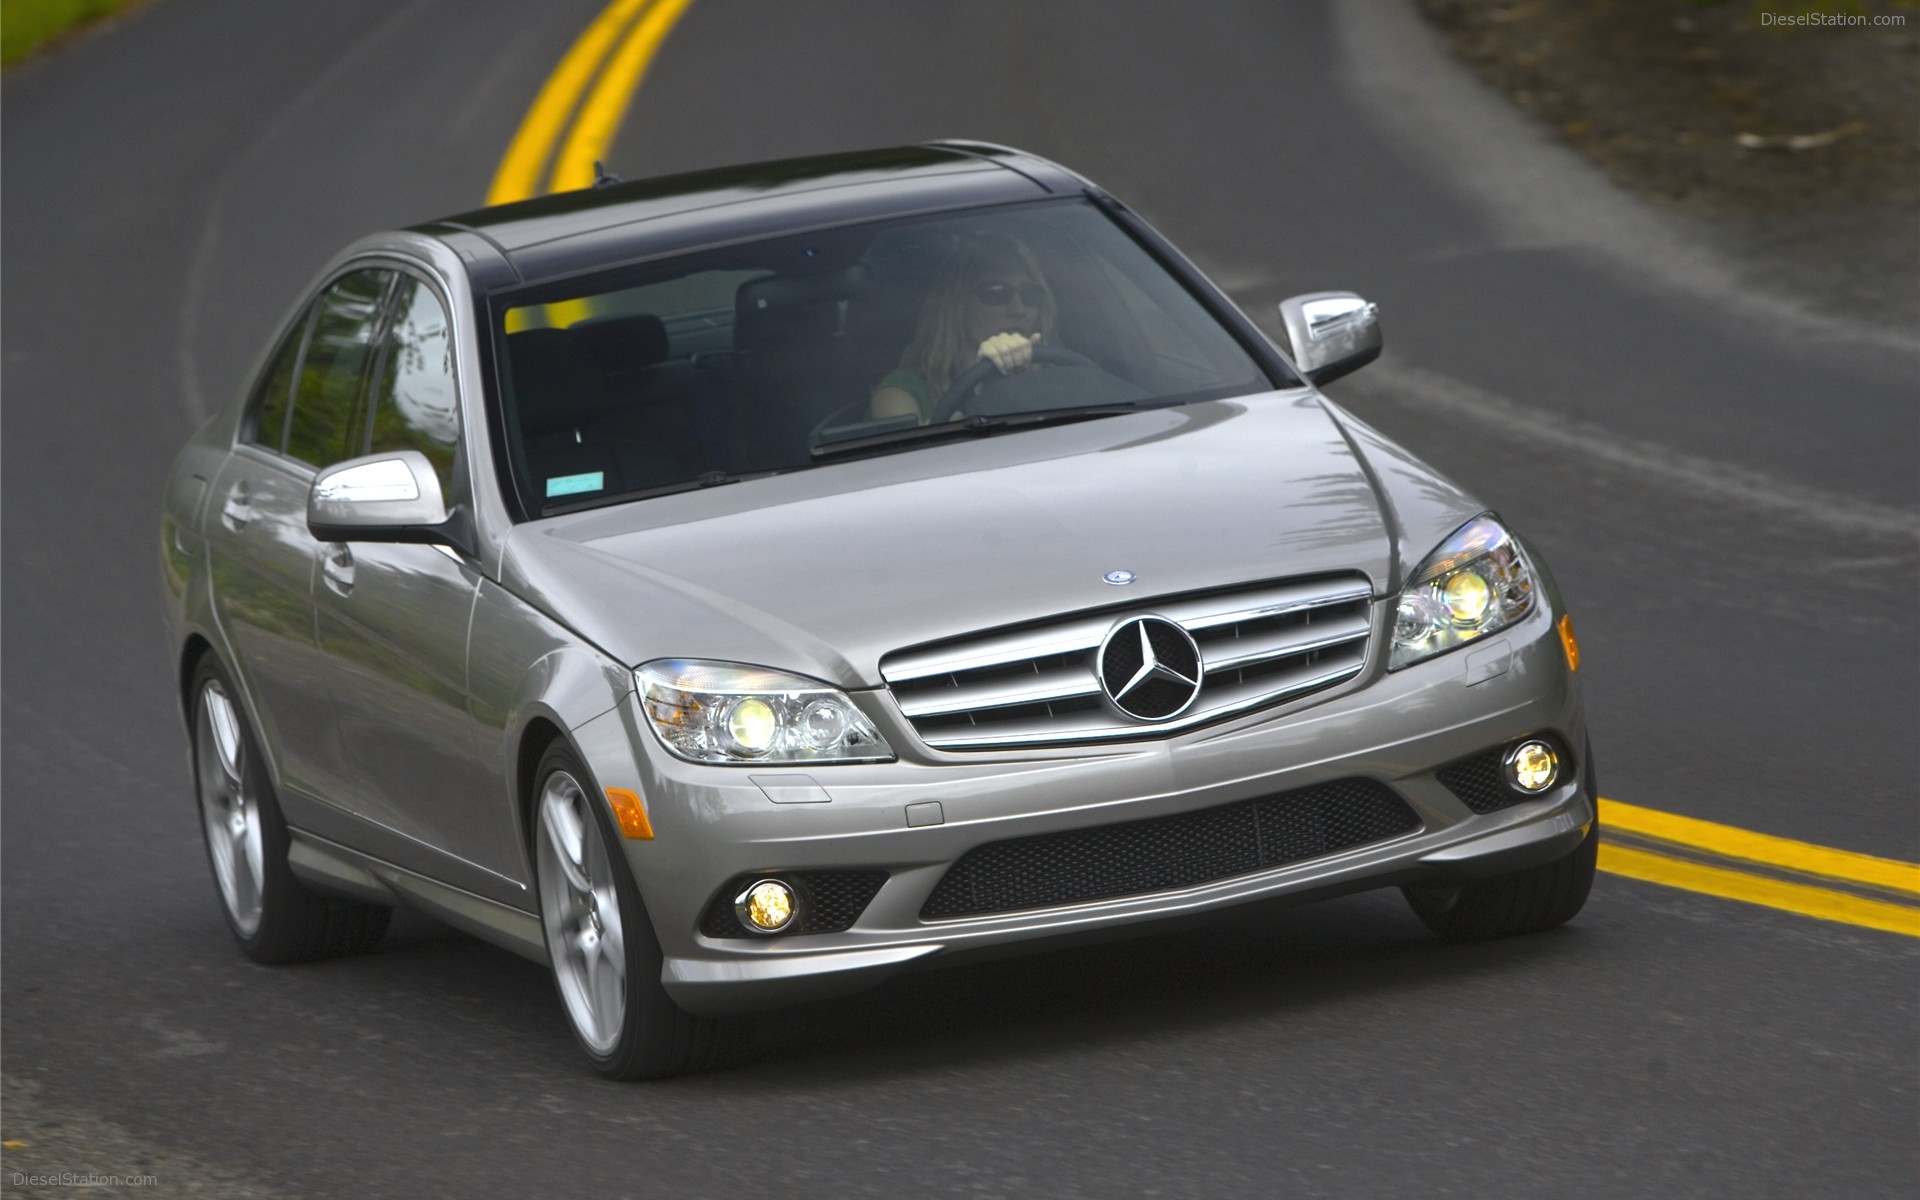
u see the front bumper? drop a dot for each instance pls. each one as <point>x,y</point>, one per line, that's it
<point>715,824</point>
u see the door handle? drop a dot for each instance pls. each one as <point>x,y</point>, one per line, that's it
<point>237,509</point>
<point>337,566</point>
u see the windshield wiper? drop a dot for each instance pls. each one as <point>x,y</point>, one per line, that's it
<point>980,426</point>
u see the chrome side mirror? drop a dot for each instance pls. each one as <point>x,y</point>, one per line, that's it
<point>390,497</point>
<point>1330,334</point>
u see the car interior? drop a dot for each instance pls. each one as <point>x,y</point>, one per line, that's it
<point>623,401</point>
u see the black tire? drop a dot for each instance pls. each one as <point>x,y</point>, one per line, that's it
<point>292,923</point>
<point>651,1037</point>
<point>1524,902</point>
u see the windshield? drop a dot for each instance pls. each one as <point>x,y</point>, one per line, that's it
<point>882,338</point>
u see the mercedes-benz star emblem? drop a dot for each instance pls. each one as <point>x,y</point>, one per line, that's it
<point>1150,668</point>
<point>1118,577</point>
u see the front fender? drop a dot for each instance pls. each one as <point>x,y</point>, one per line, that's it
<point>529,678</point>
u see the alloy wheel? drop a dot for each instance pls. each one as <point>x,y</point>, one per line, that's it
<point>580,911</point>
<point>230,808</point>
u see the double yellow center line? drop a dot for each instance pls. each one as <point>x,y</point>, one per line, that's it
<point>1721,860</point>
<point>609,58</point>
<point>571,126</point>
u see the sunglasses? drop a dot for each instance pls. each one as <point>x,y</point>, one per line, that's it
<point>996,294</point>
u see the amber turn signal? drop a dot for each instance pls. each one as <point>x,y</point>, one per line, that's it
<point>631,814</point>
<point>1567,643</point>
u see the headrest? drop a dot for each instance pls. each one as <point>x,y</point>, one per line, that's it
<point>885,315</point>
<point>622,344</point>
<point>781,309</point>
<point>554,386</point>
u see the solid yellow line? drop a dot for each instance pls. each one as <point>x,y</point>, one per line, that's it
<point>1802,898</point>
<point>1761,848</point>
<point>606,106</point>
<point>519,174</point>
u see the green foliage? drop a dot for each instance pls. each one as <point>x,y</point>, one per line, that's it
<point>26,25</point>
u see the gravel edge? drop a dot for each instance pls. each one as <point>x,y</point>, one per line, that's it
<point>1539,192</point>
<point>52,1149</point>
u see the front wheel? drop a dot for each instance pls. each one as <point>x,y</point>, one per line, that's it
<point>606,959</point>
<point>1524,902</point>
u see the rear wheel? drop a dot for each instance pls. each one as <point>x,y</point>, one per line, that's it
<point>606,959</point>
<point>1523,902</point>
<point>273,916</point>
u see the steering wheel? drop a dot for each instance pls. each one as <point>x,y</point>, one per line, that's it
<point>984,370</point>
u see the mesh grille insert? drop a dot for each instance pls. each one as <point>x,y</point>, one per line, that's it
<point>830,902</point>
<point>1477,782</point>
<point>1170,852</point>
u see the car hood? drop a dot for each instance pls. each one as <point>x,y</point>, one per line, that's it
<point>823,571</point>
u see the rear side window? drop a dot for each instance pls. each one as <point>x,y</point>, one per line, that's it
<point>325,429</point>
<point>276,389</point>
<point>415,403</point>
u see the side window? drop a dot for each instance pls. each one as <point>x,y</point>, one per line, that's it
<point>415,406</point>
<point>276,389</point>
<point>339,349</point>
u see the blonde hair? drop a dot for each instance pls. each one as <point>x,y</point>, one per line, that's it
<point>939,350</point>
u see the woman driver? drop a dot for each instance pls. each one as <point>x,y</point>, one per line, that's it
<point>992,303</point>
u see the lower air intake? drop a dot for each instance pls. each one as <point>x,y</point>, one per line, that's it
<point>1163,853</point>
<point>1481,781</point>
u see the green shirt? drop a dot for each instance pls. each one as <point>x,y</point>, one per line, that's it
<point>911,383</point>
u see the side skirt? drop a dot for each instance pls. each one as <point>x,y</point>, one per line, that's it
<point>329,867</point>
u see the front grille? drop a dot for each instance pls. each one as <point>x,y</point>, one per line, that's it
<point>1039,684</point>
<point>830,902</point>
<point>1162,853</point>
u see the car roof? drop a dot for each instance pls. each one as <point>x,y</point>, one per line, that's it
<point>555,236</point>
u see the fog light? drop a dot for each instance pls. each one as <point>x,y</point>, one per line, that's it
<point>766,907</point>
<point>1532,766</point>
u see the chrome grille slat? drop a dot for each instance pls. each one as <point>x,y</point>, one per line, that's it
<point>1100,725</point>
<point>1196,617</point>
<point>1239,697</point>
<point>1038,684</point>
<point>998,650</point>
<point>1097,725</point>
<point>1003,692</point>
<point>1245,652</point>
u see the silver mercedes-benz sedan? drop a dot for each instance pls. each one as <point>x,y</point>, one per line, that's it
<point>739,587</point>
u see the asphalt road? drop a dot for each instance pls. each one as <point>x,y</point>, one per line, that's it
<point>1724,480</point>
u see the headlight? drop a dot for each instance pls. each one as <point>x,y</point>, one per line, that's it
<point>719,712</point>
<point>1476,583</point>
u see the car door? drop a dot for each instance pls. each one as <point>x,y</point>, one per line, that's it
<point>393,622</point>
<point>263,561</point>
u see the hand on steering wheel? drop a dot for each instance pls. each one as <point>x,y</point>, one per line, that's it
<point>986,369</point>
<point>1009,352</point>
